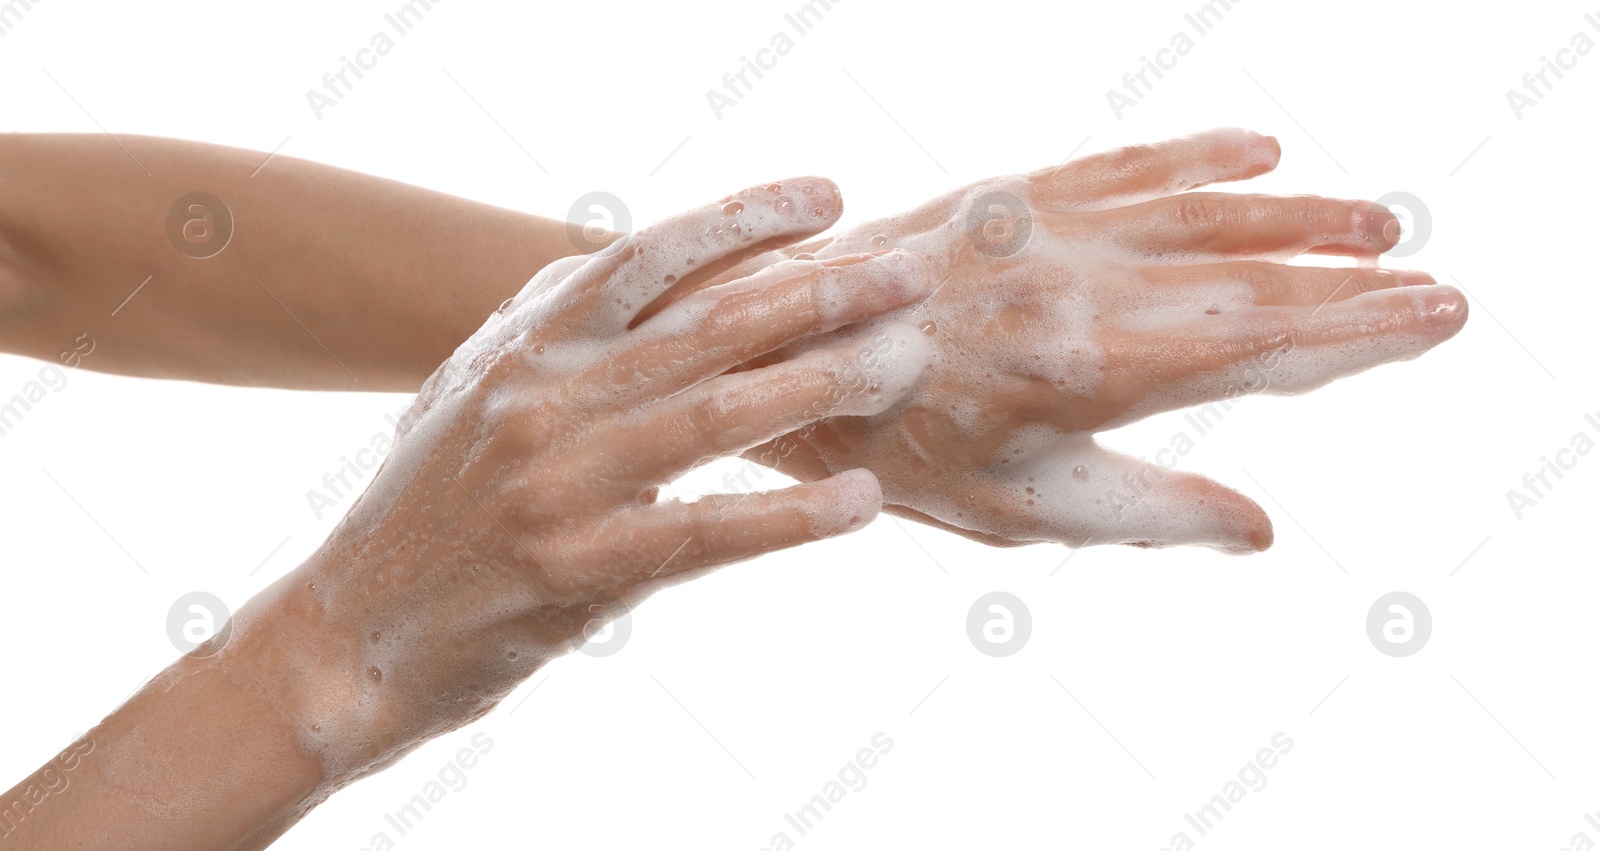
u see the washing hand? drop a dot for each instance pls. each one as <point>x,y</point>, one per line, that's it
<point>1074,300</point>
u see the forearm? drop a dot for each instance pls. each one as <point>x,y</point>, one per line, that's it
<point>505,525</point>
<point>201,758</point>
<point>227,748</point>
<point>330,279</point>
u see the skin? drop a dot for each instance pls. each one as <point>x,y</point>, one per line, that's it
<point>531,458</point>
<point>1082,298</point>
<point>530,462</point>
<point>331,280</point>
<point>339,280</point>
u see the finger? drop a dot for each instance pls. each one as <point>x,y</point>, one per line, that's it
<point>716,329</point>
<point>1067,489</point>
<point>1282,350</point>
<point>1142,172</point>
<point>552,274</point>
<point>1144,504</point>
<point>1215,225</point>
<point>675,542</point>
<point>866,375</point>
<point>1252,282</point>
<point>620,281</point>
<point>976,536</point>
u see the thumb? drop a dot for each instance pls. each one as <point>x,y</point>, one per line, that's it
<point>1076,492</point>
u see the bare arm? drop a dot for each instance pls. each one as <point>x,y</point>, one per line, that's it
<point>517,512</point>
<point>329,279</point>
<point>1072,300</point>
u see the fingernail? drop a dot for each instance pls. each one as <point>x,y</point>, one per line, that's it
<point>819,197</point>
<point>1274,148</point>
<point>857,498</point>
<point>1444,307</point>
<point>1382,225</point>
<point>1261,537</point>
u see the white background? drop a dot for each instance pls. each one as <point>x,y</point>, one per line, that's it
<point>1150,677</point>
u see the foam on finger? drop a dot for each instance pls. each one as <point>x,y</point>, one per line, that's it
<point>648,263</point>
<point>1142,172</point>
<point>1294,351</point>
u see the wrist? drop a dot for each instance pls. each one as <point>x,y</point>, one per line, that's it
<point>307,664</point>
<point>362,676</point>
<point>200,757</point>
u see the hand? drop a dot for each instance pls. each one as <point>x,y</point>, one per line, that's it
<point>1078,299</point>
<point>517,511</point>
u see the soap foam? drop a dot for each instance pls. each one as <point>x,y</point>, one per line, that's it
<point>1045,314</point>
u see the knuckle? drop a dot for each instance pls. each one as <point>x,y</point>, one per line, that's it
<point>1273,329</point>
<point>725,324</point>
<point>530,554</point>
<point>1140,163</point>
<point>828,385</point>
<point>556,271</point>
<point>518,438</point>
<point>1266,279</point>
<point>716,414</point>
<point>698,529</point>
<point>563,577</point>
<point>1323,215</point>
<point>511,509</point>
<point>512,431</point>
<point>1204,214</point>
